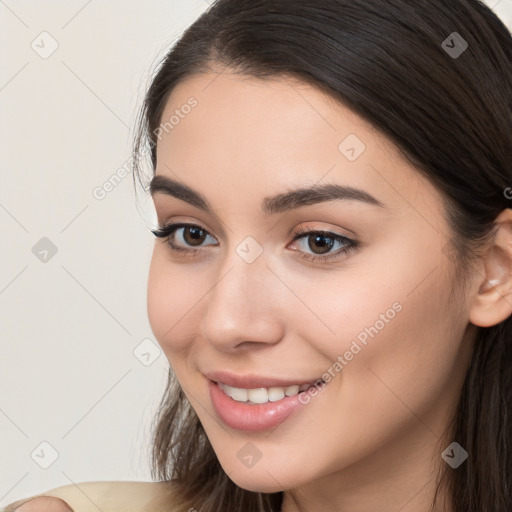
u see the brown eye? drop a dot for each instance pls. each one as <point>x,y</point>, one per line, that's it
<point>183,237</point>
<point>320,244</point>
<point>317,245</point>
<point>193,235</point>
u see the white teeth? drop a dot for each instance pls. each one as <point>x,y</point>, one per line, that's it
<point>275,394</point>
<point>238,394</point>
<point>262,395</point>
<point>258,395</point>
<point>293,390</point>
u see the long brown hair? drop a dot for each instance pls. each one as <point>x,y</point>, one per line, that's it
<point>448,114</point>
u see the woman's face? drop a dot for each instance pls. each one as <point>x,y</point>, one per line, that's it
<point>251,308</point>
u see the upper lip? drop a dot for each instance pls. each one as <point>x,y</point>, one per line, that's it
<point>252,381</point>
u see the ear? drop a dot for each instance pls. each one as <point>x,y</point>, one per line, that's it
<point>493,302</point>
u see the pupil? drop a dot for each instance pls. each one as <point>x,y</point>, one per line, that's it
<point>320,240</point>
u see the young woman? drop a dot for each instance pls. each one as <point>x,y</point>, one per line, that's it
<point>332,276</point>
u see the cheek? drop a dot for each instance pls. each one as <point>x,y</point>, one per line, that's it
<point>400,346</point>
<point>346,308</point>
<point>386,319</point>
<point>174,293</point>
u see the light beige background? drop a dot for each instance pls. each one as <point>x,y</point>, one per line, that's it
<point>73,373</point>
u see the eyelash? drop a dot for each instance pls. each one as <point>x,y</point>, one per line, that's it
<point>168,230</point>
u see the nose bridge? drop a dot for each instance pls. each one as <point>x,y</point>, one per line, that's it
<point>240,305</point>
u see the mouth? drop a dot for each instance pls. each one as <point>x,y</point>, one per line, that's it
<point>255,403</point>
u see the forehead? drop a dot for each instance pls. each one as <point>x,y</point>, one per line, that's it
<point>278,114</point>
<point>266,136</point>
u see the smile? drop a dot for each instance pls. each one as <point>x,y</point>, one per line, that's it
<point>257,403</point>
<point>262,395</point>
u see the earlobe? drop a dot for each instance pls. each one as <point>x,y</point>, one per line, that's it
<point>493,302</point>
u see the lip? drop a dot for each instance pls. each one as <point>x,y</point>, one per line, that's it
<point>251,417</point>
<point>252,381</point>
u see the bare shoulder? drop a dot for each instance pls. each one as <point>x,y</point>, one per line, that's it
<point>40,504</point>
<point>108,496</point>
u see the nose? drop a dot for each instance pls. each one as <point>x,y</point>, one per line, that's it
<point>244,307</point>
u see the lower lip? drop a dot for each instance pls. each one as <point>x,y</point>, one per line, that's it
<point>251,417</point>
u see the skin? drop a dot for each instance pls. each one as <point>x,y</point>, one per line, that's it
<point>372,438</point>
<point>44,504</point>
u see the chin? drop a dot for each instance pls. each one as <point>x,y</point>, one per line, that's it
<point>253,483</point>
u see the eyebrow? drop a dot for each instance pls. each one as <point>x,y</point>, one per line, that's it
<point>270,205</point>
